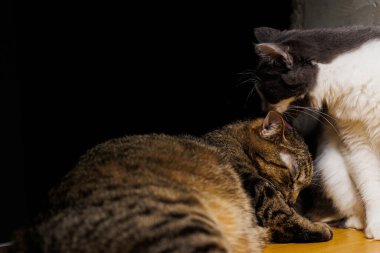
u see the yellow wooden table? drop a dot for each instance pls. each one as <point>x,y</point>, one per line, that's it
<point>345,240</point>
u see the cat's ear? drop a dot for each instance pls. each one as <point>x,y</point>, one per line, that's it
<point>272,52</point>
<point>273,124</point>
<point>265,34</point>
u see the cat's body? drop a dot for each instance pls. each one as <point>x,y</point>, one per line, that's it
<point>339,69</point>
<point>159,193</point>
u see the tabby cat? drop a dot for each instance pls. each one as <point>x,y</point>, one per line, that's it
<point>228,191</point>
<point>337,69</point>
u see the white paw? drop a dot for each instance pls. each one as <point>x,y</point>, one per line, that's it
<point>372,231</point>
<point>354,222</point>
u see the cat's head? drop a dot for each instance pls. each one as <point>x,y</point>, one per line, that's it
<point>281,154</point>
<point>286,71</point>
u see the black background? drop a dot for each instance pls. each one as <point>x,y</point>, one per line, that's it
<point>93,71</point>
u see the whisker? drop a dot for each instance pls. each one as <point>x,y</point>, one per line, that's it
<point>315,117</point>
<point>322,114</point>
<point>288,115</point>
<point>252,77</point>
<point>250,80</point>
<point>250,94</point>
<point>305,112</point>
<point>314,110</point>
<point>247,73</point>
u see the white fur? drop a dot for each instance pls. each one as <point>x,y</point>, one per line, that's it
<point>350,161</point>
<point>334,173</point>
<point>287,159</point>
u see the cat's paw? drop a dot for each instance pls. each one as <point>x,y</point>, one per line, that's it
<point>320,232</point>
<point>372,231</point>
<point>313,232</point>
<point>353,222</point>
<point>325,232</point>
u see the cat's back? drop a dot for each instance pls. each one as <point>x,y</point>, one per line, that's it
<point>325,44</point>
<point>146,163</point>
<point>149,158</point>
<point>345,37</point>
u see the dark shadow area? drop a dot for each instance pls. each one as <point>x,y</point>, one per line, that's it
<point>13,207</point>
<point>98,71</point>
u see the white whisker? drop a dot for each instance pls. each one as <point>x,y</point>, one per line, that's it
<point>251,93</point>
<point>314,110</point>
<point>315,117</point>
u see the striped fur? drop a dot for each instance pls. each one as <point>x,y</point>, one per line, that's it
<point>227,191</point>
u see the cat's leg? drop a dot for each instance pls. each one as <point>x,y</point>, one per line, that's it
<point>334,174</point>
<point>285,224</point>
<point>365,171</point>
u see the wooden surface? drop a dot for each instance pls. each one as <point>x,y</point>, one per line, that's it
<point>345,240</point>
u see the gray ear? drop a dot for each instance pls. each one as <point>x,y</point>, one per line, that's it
<point>272,52</point>
<point>265,34</point>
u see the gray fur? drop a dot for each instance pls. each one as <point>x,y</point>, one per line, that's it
<point>321,45</point>
<point>279,80</point>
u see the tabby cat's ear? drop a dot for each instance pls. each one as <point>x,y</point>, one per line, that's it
<point>272,52</point>
<point>273,124</point>
<point>265,34</point>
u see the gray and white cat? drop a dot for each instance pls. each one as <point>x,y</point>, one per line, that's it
<point>337,68</point>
